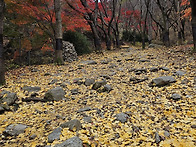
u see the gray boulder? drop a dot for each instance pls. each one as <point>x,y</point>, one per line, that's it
<point>10,98</point>
<point>154,46</point>
<point>15,129</point>
<point>73,125</point>
<point>31,89</point>
<point>89,62</point>
<point>179,73</point>
<point>72,142</point>
<point>55,94</point>
<point>84,109</point>
<point>88,119</point>
<point>162,81</point>
<point>89,82</point>
<point>157,138</point>
<point>54,135</point>
<point>107,88</point>
<point>122,117</point>
<point>164,68</point>
<point>98,84</point>
<point>175,97</point>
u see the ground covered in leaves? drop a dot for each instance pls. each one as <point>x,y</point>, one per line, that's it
<point>127,112</point>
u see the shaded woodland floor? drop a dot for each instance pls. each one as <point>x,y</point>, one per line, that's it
<point>124,111</point>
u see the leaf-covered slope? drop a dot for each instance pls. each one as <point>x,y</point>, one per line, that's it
<point>133,113</point>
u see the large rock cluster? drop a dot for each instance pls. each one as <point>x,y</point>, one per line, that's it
<point>69,52</point>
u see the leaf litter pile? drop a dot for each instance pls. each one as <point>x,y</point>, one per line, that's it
<point>110,100</point>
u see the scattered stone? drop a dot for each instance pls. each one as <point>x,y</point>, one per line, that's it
<point>47,74</point>
<point>84,109</point>
<point>10,98</point>
<point>164,68</point>
<point>122,117</point>
<point>98,84</point>
<point>89,82</point>
<point>88,119</point>
<point>162,81</point>
<point>55,135</point>
<point>193,126</point>
<point>129,59</point>
<point>175,97</point>
<point>34,99</point>
<point>179,73</point>
<point>32,136</point>
<point>89,62</point>
<point>72,142</point>
<point>73,125</point>
<point>34,70</point>
<point>55,94</point>
<point>78,81</point>
<point>144,60</point>
<point>31,89</point>
<point>140,71</point>
<point>157,138</point>
<point>107,88</point>
<point>14,129</point>
<point>166,134</point>
<point>106,61</point>
<point>154,69</point>
<point>154,46</point>
<point>135,80</point>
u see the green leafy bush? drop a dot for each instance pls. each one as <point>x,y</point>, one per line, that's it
<point>80,41</point>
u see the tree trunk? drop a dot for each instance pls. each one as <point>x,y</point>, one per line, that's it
<point>2,66</point>
<point>193,6</point>
<point>97,42</point>
<point>183,29</point>
<point>58,33</point>
<point>117,41</point>
<point>108,43</point>
<point>143,40</point>
<point>134,37</point>
<point>166,39</point>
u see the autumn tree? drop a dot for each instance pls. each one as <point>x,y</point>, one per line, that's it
<point>2,67</point>
<point>89,10</point>
<point>193,6</point>
<point>107,11</point>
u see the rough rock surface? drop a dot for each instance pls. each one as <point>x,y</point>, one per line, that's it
<point>15,129</point>
<point>162,81</point>
<point>9,98</point>
<point>69,52</point>
<point>122,117</point>
<point>55,94</point>
<point>72,142</point>
<point>73,125</point>
<point>54,135</point>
